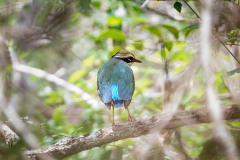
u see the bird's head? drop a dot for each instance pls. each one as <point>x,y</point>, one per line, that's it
<point>126,56</point>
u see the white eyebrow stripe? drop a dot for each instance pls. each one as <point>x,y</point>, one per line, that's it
<point>124,56</point>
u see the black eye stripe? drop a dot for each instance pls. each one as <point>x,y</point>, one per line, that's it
<point>129,58</point>
<point>126,59</point>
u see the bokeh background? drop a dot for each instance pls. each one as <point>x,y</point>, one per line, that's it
<point>72,39</point>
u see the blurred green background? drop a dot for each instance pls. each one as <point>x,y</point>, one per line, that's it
<point>72,39</point>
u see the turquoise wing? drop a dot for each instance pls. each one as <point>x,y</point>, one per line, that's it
<point>116,83</point>
<point>124,79</point>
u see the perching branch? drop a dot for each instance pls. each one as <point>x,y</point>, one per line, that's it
<point>70,146</point>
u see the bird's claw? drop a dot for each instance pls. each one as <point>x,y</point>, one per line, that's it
<point>114,126</point>
<point>130,119</point>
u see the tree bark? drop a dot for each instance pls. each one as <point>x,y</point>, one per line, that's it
<point>7,134</point>
<point>70,146</point>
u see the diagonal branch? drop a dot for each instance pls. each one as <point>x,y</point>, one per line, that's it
<point>7,134</point>
<point>70,146</point>
<point>221,42</point>
<point>56,80</point>
<point>51,78</point>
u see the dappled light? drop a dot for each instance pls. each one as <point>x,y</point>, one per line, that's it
<point>119,80</point>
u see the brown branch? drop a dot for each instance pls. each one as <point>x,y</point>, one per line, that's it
<point>70,146</point>
<point>148,9</point>
<point>165,15</point>
<point>7,134</point>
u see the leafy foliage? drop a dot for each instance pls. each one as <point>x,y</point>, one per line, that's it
<point>73,39</point>
<point>178,6</point>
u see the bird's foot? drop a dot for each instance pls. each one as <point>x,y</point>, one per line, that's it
<point>115,126</point>
<point>129,116</point>
<point>130,119</point>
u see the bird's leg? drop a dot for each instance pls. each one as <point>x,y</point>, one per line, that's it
<point>129,116</point>
<point>113,122</point>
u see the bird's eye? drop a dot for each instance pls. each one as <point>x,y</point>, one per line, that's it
<point>130,59</point>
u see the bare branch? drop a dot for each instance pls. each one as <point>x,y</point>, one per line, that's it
<point>145,3</point>
<point>7,134</point>
<point>147,7</point>
<point>10,101</point>
<point>214,34</point>
<point>70,146</point>
<point>54,79</point>
<point>165,15</point>
<point>213,104</point>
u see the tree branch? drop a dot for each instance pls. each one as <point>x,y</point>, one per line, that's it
<point>56,80</point>
<point>70,146</point>
<point>7,134</point>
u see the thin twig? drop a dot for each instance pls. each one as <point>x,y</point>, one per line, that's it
<point>192,9</point>
<point>226,48</point>
<point>222,43</point>
<point>159,13</point>
<point>45,129</point>
<point>145,3</point>
<point>40,126</point>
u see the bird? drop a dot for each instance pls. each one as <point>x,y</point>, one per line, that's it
<point>115,82</point>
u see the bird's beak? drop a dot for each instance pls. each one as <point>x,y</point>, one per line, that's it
<point>137,60</point>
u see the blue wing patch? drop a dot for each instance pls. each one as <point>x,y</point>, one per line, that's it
<point>114,89</point>
<point>115,95</point>
<point>115,83</point>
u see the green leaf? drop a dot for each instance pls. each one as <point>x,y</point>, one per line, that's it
<point>138,44</point>
<point>54,97</point>
<point>178,6</point>
<point>76,131</point>
<point>233,36</point>
<point>172,30</point>
<point>114,21</point>
<point>114,51</point>
<point>114,34</point>
<point>190,28</point>
<point>75,17</point>
<point>153,30</point>
<point>168,45</point>
<point>96,4</point>
<point>180,55</point>
<point>230,73</point>
<point>84,7</point>
<point>58,116</point>
<point>89,61</point>
<point>77,76</point>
